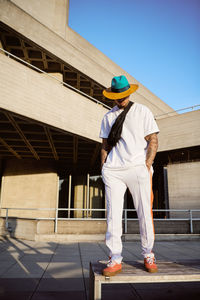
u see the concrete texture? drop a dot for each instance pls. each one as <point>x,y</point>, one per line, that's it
<point>180,131</point>
<point>90,230</point>
<point>36,95</point>
<point>184,188</point>
<point>48,17</point>
<point>30,185</point>
<point>75,50</point>
<point>44,99</point>
<point>52,270</point>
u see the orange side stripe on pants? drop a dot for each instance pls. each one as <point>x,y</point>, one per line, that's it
<point>152,202</point>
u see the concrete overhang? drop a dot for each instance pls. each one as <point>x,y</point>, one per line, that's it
<point>179,131</point>
<point>75,51</point>
<point>41,98</point>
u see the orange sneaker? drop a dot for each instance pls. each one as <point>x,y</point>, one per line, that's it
<point>112,269</point>
<point>150,264</point>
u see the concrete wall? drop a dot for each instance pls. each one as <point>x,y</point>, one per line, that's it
<point>166,227</point>
<point>179,131</point>
<point>72,230</point>
<point>28,184</point>
<point>82,227</point>
<point>184,187</point>
<point>51,13</point>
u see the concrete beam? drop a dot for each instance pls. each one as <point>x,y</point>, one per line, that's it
<point>179,131</point>
<point>44,99</point>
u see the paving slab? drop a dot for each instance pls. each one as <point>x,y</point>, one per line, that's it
<point>61,284</point>
<point>17,288</point>
<point>26,270</point>
<point>65,259</point>
<point>5,266</point>
<point>61,295</point>
<point>63,270</point>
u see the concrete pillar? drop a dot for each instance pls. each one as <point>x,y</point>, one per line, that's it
<point>96,196</point>
<point>80,195</point>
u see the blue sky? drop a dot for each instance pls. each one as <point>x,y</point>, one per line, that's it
<point>156,41</point>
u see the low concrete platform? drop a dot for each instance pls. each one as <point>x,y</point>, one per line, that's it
<point>134,272</point>
<point>48,270</point>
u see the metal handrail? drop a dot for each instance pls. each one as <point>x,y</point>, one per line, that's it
<point>60,81</point>
<point>174,111</point>
<point>125,218</point>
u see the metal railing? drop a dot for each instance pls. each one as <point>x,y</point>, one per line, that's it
<point>178,110</point>
<point>88,211</point>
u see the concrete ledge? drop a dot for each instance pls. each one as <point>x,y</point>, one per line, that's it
<point>79,230</point>
<point>101,237</point>
<point>69,237</point>
<point>163,237</point>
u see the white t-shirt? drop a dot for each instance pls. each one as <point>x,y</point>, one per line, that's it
<point>132,146</point>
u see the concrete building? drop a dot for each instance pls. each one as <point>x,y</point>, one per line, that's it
<point>51,106</point>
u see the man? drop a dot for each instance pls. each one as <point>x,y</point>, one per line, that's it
<point>128,164</point>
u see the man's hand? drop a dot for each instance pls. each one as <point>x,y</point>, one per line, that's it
<point>148,165</point>
<point>152,140</point>
<point>104,151</point>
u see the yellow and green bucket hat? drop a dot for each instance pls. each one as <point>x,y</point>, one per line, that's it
<point>120,88</point>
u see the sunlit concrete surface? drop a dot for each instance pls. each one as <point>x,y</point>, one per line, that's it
<point>51,270</point>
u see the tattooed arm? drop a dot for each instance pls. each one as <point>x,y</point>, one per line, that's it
<point>152,140</point>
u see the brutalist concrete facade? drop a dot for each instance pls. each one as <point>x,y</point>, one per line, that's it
<point>49,144</point>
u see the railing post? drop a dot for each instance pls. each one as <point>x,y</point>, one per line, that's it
<point>191,225</point>
<point>125,219</point>
<point>69,195</point>
<point>56,217</point>
<point>6,218</point>
<point>88,194</point>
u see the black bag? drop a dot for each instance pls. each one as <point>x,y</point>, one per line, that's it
<point>116,130</point>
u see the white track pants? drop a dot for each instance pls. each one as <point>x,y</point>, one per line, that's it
<point>139,181</point>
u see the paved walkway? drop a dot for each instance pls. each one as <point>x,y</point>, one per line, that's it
<point>47,270</point>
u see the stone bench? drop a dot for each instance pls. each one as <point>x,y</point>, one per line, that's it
<point>134,272</point>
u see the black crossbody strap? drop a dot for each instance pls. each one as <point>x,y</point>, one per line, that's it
<point>116,130</point>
